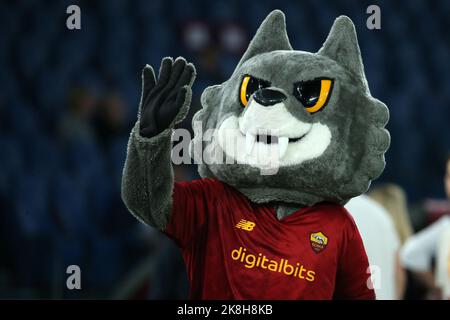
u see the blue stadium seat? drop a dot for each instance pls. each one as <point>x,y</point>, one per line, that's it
<point>12,161</point>
<point>179,10</point>
<point>116,156</point>
<point>9,83</point>
<point>21,119</point>
<point>44,156</point>
<point>84,160</point>
<point>147,10</point>
<point>221,11</point>
<point>51,91</point>
<point>106,259</point>
<point>69,201</point>
<point>31,206</point>
<point>100,195</point>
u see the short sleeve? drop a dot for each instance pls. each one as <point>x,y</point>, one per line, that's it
<point>353,275</point>
<point>191,202</point>
<point>418,250</point>
<point>443,263</point>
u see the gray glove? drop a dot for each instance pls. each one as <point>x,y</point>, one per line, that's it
<point>165,102</point>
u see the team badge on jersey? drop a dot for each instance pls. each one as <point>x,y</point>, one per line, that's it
<point>318,241</point>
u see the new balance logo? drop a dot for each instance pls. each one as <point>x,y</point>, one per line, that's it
<point>245,225</point>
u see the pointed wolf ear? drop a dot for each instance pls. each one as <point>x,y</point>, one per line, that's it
<point>270,36</point>
<point>342,46</point>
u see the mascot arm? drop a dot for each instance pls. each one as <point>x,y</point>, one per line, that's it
<point>147,180</point>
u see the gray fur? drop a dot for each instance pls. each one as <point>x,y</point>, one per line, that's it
<point>342,46</point>
<point>284,210</point>
<point>147,179</point>
<point>266,42</point>
<point>356,119</point>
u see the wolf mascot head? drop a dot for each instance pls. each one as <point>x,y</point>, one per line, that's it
<point>311,112</point>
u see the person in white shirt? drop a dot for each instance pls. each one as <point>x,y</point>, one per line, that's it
<point>443,264</point>
<point>433,241</point>
<point>393,198</point>
<point>447,177</point>
<point>418,251</point>
<point>381,242</point>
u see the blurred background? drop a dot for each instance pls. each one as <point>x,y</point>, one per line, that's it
<point>68,99</point>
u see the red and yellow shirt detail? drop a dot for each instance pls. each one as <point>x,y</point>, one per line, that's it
<point>236,249</point>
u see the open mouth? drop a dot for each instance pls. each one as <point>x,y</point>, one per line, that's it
<point>258,147</point>
<point>274,139</point>
<point>278,141</point>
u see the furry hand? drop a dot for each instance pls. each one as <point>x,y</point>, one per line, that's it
<point>165,102</point>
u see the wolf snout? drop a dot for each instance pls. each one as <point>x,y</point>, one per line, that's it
<point>269,96</point>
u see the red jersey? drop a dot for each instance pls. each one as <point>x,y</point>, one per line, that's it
<point>236,249</point>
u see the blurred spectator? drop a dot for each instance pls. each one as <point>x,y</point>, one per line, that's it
<point>421,250</point>
<point>76,124</point>
<point>382,243</point>
<point>169,280</point>
<point>418,252</point>
<point>443,264</point>
<point>110,120</point>
<point>393,199</point>
<point>209,63</point>
<point>196,35</point>
<point>447,177</point>
<point>233,38</point>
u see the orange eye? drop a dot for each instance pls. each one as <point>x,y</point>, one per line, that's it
<point>249,86</point>
<point>314,94</point>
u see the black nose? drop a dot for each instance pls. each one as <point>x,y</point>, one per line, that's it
<point>268,97</point>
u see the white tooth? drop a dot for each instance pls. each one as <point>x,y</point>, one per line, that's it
<point>282,145</point>
<point>249,142</point>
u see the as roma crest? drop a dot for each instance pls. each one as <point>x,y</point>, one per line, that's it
<point>318,241</point>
